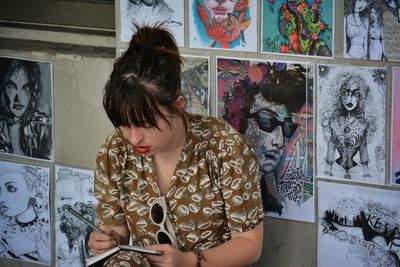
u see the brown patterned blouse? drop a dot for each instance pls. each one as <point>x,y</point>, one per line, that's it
<point>214,190</point>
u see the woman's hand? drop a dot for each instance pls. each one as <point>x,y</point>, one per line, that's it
<point>171,257</point>
<point>100,242</point>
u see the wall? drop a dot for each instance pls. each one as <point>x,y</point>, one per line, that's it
<point>81,64</point>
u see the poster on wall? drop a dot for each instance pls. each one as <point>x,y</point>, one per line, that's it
<point>357,226</point>
<point>223,24</point>
<point>24,213</point>
<point>351,130</point>
<point>372,29</point>
<point>395,147</point>
<point>26,107</point>
<point>74,189</point>
<point>196,84</point>
<point>301,28</point>
<point>271,103</point>
<point>143,12</point>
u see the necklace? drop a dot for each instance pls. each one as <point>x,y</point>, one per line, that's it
<point>22,225</point>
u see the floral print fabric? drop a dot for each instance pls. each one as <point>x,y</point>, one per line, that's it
<point>213,193</point>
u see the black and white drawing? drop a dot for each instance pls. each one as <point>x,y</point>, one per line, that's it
<point>371,29</point>
<point>74,188</point>
<point>26,108</point>
<point>24,213</point>
<point>358,226</point>
<point>351,131</point>
<point>150,12</point>
<point>196,84</point>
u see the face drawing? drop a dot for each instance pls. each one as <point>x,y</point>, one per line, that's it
<point>350,95</point>
<point>269,129</point>
<point>219,9</point>
<point>18,91</point>
<point>360,5</point>
<point>374,14</point>
<point>14,195</point>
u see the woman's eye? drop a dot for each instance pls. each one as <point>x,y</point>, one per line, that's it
<point>11,188</point>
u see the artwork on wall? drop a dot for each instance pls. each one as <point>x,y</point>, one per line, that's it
<point>26,105</point>
<point>357,226</point>
<point>351,131</point>
<point>371,29</point>
<point>395,147</point>
<point>24,212</point>
<point>73,188</point>
<point>271,103</point>
<point>223,24</point>
<point>196,84</point>
<point>300,27</point>
<point>143,12</point>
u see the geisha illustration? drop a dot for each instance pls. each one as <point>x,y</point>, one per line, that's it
<point>300,28</point>
<point>222,24</point>
<point>24,210</point>
<point>351,142</point>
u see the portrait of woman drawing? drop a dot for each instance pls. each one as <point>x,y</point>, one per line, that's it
<point>25,108</point>
<point>376,36</point>
<point>357,24</point>
<point>353,140</point>
<point>223,24</point>
<point>24,210</point>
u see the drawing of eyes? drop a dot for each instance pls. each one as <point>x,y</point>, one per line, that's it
<point>10,187</point>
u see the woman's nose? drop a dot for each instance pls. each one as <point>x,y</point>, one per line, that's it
<point>134,136</point>
<point>16,98</point>
<point>221,1</point>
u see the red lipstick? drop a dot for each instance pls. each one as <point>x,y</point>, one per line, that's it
<point>142,149</point>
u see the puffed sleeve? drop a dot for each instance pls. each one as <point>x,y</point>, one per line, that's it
<point>240,184</point>
<point>107,183</point>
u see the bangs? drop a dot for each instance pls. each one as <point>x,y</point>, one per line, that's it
<point>131,104</point>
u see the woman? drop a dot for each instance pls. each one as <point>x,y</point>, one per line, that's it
<point>24,130</point>
<point>357,26</point>
<point>23,233</point>
<point>346,129</point>
<point>376,48</point>
<point>198,169</point>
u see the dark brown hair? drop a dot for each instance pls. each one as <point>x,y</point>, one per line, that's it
<point>145,77</point>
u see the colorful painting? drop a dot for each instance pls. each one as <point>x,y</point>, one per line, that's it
<point>144,12</point>
<point>74,189</point>
<point>357,226</point>
<point>351,130</point>
<point>298,27</point>
<point>395,166</point>
<point>371,29</point>
<point>223,24</point>
<point>26,105</point>
<point>25,213</point>
<point>271,103</point>
<point>196,84</point>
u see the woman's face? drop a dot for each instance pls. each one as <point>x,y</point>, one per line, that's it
<point>350,95</point>
<point>14,195</point>
<point>18,90</point>
<point>360,5</point>
<point>374,14</point>
<point>219,9</point>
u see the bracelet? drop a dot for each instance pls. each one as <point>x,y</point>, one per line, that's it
<point>199,256</point>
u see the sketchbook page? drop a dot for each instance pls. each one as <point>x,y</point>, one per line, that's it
<point>100,259</point>
<point>140,249</point>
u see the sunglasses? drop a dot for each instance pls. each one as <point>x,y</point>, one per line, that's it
<point>158,215</point>
<point>267,121</point>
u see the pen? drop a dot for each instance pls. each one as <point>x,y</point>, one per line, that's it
<point>83,219</point>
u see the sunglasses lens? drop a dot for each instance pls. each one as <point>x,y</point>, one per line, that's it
<point>157,213</point>
<point>289,128</point>
<point>163,238</point>
<point>266,122</point>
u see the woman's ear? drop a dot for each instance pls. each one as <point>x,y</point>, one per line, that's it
<point>180,103</point>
